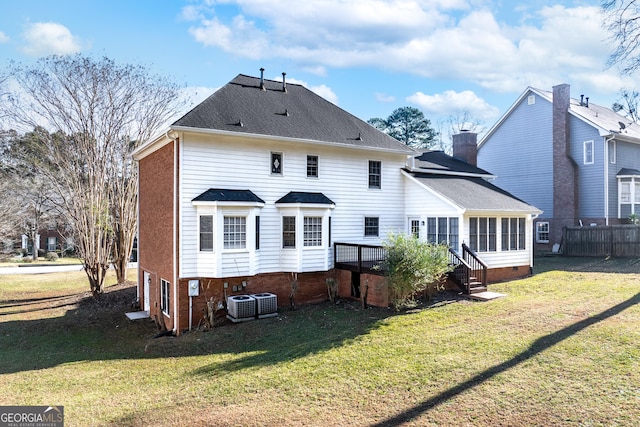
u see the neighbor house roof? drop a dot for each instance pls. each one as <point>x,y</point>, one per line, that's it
<point>607,121</point>
<point>628,172</point>
<point>242,106</point>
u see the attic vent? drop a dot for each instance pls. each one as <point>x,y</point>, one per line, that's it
<point>531,99</point>
<point>359,138</point>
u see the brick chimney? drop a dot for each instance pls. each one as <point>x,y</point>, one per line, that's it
<point>565,169</point>
<point>465,147</point>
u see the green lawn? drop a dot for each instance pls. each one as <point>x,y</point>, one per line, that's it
<point>563,348</point>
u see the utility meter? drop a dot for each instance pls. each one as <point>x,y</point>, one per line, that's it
<point>194,288</point>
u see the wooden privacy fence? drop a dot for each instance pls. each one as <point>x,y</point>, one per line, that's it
<point>621,241</point>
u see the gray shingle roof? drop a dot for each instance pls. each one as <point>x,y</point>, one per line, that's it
<point>439,161</point>
<point>302,197</point>
<point>225,195</point>
<point>474,193</point>
<point>242,106</point>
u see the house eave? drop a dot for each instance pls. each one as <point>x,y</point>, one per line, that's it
<point>305,205</point>
<point>227,204</point>
<point>408,151</point>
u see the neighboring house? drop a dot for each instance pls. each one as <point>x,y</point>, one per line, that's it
<point>575,160</point>
<point>252,191</point>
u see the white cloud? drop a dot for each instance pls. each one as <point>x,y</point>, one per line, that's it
<point>449,39</point>
<point>383,97</point>
<point>3,37</point>
<point>455,103</point>
<point>46,38</point>
<point>323,90</point>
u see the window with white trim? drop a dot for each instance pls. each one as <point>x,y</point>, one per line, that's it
<point>312,233</point>
<point>414,228</point>
<point>375,174</point>
<point>513,234</point>
<point>625,192</point>
<point>206,233</point>
<point>235,232</point>
<point>371,226</point>
<point>312,166</point>
<point>288,231</point>
<point>588,152</point>
<point>612,151</point>
<point>542,232</point>
<point>443,230</point>
<point>482,234</point>
<point>164,296</point>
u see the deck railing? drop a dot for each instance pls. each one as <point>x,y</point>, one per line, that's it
<point>359,258</point>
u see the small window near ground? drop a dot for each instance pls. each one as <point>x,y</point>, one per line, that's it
<point>371,226</point>
<point>312,231</point>
<point>276,163</point>
<point>375,174</point>
<point>542,232</point>
<point>206,233</point>
<point>288,231</point>
<point>588,152</point>
<point>164,296</point>
<point>312,166</point>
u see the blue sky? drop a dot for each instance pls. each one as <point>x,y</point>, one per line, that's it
<point>445,57</point>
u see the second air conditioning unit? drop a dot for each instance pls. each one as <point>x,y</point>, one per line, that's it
<point>267,304</point>
<point>241,308</point>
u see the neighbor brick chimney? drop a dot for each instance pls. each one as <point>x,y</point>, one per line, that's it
<point>465,147</point>
<point>565,169</point>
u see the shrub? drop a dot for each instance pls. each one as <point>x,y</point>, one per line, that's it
<point>52,256</point>
<point>413,266</point>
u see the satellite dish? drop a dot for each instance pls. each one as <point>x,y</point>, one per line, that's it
<point>622,125</point>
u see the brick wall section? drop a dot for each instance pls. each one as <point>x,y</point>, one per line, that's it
<point>155,244</point>
<point>312,288</point>
<point>465,147</point>
<point>565,169</point>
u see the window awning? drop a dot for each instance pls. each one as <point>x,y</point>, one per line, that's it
<point>228,197</point>
<point>304,198</point>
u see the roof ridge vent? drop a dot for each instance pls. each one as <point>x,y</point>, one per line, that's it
<point>262,79</point>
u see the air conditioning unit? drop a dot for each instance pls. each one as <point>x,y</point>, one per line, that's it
<point>267,304</point>
<point>241,308</point>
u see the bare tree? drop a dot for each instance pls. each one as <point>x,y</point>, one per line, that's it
<point>622,19</point>
<point>628,104</point>
<point>98,112</point>
<point>457,123</point>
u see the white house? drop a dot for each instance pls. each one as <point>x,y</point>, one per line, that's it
<point>251,191</point>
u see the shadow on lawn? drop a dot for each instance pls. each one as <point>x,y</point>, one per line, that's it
<point>537,347</point>
<point>98,330</point>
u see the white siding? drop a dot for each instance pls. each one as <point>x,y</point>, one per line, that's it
<point>232,163</point>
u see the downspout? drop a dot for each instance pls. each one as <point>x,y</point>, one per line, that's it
<point>175,235</point>
<point>606,177</point>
